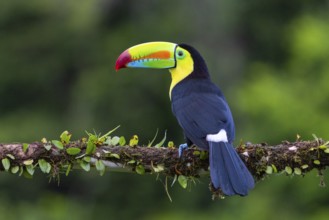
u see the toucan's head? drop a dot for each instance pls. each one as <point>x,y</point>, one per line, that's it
<point>182,60</point>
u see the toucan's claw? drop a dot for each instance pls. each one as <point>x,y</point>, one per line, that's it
<point>181,148</point>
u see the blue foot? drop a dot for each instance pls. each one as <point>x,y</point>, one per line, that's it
<point>181,148</point>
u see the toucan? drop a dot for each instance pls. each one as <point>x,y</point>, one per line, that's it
<point>200,108</point>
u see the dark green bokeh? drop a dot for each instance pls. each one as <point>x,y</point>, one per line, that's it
<point>57,73</point>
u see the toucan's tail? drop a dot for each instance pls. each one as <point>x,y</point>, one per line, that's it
<point>227,171</point>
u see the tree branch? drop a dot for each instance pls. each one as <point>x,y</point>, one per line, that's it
<point>295,158</point>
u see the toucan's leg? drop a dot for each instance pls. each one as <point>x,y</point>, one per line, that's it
<point>181,148</point>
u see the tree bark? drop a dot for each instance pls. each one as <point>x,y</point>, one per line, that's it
<point>292,158</point>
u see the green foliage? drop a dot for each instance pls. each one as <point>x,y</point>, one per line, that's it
<point>5,163</point>
<point>73,151</point>
<point>133,141</point>
<point>288,170</point>
<point>65,137</point>
<point>182,180</point>
<point>117,156</point>
<point>171,144</point>
<point>47,146</point>
<point>25,147</point>
<point>14,169</point>
<point>100,167</point>
<point>151,142</point>
<point>91,145</point>
<point>140,169</point>
<point>269,170</point>
<point>297,171</point>
<point>283,97</point>
<point>30,170</point>
<point>44,166</point>
<point>58,144</point>
<point>28,162</point>
<point>68,170</point>
<point>160,144</point>
<point>317,162</point>
<point>95,139</point>
<point>122,141</point>
<point>85,166</point>
<point>158,168</point>
<point>113,141</point>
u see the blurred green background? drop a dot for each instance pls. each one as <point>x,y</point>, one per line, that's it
<point>57,73</point>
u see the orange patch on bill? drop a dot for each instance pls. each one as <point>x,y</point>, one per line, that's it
<point>159,55</point>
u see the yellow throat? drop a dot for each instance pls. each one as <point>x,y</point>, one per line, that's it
<point>184,67</point>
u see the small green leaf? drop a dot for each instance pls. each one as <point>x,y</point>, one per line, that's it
<point>73,151</point>
<point>140,169</point>
<point>108,133</point>
<point>297,171</point>
<point>203,155</point>
<point>174,180</point>
<point>323,147</point>
<point>100,167</point>
<point>269,170</point>
<point>158,168</point>
<point>103,138</point>
<point>92,137</point>
<point>106,151</point>
<point>21,170</point>
<point>131,162</point>
<point>45,167</point>
<point>25,146</point>
<point>28,162</point>
<point>317,162</point>
<point>80,156</point>
<point>326,151</point>
<point>68,170</point>
<point>305,166</point>
<point>182,180</point>
<point>14,169</point>
<point>26,174</point>
<point>84,165</point>
<point>133,141</point>
<point>30,169</point>
<point>151,142</point>
<point>122,141</point>
<point>91,147</point>
<point>115,140</point>
<point>87,159</point>
<point>288,170</point>
<point>275,170</point>
<point>117,156</point>
<point>65,137</point>
<point>44,140</point>
<point>47,146</point>
<point>196,152</point>
<point>10,156</point>
<point>57,144</point>
<point>171,144</point>
<point>5,163</point>
<point>160,144</point>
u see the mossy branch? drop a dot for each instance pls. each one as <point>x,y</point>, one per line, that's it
<point>261,159</point>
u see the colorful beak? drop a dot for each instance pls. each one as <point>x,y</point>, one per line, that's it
<point>156,55</point>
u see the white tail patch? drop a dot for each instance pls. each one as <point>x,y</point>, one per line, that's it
<point>221,136</point>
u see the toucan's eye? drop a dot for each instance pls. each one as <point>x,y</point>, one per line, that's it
<point>180,54</point>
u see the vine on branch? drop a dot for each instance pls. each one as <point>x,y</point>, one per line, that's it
<point>115,154</point>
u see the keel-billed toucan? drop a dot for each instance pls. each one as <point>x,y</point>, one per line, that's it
<point>200,108</point>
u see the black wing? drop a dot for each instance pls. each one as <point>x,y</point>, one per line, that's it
<point>200,114</point>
